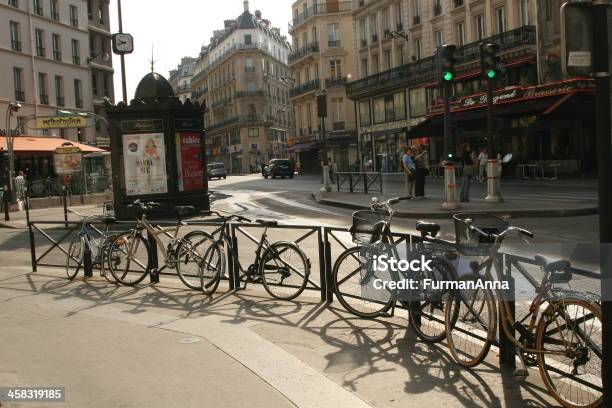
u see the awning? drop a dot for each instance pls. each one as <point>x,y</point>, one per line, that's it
<point>427,128</point>
<point>44,144</point>
<point>343,141</point>
<point>303,147</point>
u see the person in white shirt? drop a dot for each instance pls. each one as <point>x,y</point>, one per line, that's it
<point>483,157</point>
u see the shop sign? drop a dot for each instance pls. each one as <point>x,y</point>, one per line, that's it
<point>67,160</point>
<point>142,125</point>
<point>383,127</point>
<point>60,122</point>
<point>144,163</point>
<point>190,163</point>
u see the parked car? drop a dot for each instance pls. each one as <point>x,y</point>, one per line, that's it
<point>216,170</point>
<point>279,168</point>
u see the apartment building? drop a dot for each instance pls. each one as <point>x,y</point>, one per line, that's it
<point>180,78</point>
<point>398,98</point>
<point>44,51</point>
<point>323,60</point>
<point>243,77</point>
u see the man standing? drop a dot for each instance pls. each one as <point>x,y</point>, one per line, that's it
<point>409,170</point>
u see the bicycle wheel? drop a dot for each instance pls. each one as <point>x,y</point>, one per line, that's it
<point>570,344</point>
<point>470,319</point>
<point>104,258</point>
<point>199,262</point>
<point>129,257</point>
<point>427,314</point>
<point>284,270</point>
<point>74,259</point>
<point>353,277</point>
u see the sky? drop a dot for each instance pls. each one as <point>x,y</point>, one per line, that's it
<point>176,29</point>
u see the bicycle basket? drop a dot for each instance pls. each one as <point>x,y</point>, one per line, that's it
<point>472,243</point>
<point>367,226</point>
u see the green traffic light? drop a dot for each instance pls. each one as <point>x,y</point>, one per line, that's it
<point>448,76</point>
<point>491,74</point>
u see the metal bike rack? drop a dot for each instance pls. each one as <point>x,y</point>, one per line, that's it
<point>359,182</point>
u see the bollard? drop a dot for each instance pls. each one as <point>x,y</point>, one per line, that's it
<point>154,265</point>
<point>450,188</point>
<point>30,232</point>
<point>326,186</point>
<point>5,198</point>
<point>87,262</point>
<point>493,182</point>
<point>235,271</point>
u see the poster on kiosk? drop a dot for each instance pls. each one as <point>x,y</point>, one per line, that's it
<point>144,158</point>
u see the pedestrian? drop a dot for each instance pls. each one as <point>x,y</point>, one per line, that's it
<point>420,162</point>
<point>20,183</point>
<point>469,169</point>
<point>334,168</point>
<point>483,158</point>
<point>409,170</point>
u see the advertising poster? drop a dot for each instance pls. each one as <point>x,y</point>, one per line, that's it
<point>190,161</point>
<point>144,160</point>
<point>67,160</point>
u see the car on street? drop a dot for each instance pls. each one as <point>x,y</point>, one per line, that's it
<point>216,170</point>
<point>279,168</point>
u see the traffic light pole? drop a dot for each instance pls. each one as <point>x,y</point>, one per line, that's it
<point>450,182</point>
<point>326,181</point>
<point>493,168</point>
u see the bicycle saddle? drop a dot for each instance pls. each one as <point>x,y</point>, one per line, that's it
<point>552,266</point>
<point>428,228</point>
<point>109,220</point>
<point>184,210</point>
<point>267,223</point>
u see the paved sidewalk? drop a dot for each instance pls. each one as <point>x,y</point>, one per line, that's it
<point>164,346</point>
<point>521,199</point>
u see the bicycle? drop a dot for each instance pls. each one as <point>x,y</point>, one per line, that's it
<point>282,266</point>
<point>130,254</point>
<point>92,242</point>
<point>553,335</point>
<point>354,273</point>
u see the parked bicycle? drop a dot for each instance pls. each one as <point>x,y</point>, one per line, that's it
<point>561,333</point>
<point>354,272</point>
<point>92,242</point>
<point>130,254</point>
<point>282,266</point>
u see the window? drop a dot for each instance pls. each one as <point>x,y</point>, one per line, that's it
<point>416,12</point>
<point>500,18</point>
<point>92,45</point>
<point>39,38</point>
<point>55,10</point>
<point>524,10</point>
<point>418,102</point>
<point>363,35</point>
<point>13,3</point>
<point>364,67</point>
<point>234,137</point>
<point>437,8</point>
<point>316,71</point>
<point>387,59</point>
<point>15,36</point>
<point>248,65</point>
<point>480,27</point>
<point>89,11</point>
<point>59,91</point>
<point>461,33</point>
<point>314,34</point>
<point>333,35</point>
<point>375,64</point>
<point>78,94</point>
<point>386,19</point>
<point>374,27</point>
<point>94,83</point>
<point>364,113</point>
<point>400,55</point>
<point>418,49</point>
<point>309,117</point>
<point>101,12</point>
<point>42,89</point>
<point>18,80</point>
<point>105,87</point>
<point>335,69</point>
<point>399,18</point>
<point>337,113</point>
<point>379,110</point>
<point>57,47</point>
<point>37,7</point>
<point>439,38</point>
<point>247,39</point>
<point>74,16</point>
<point>399,106</point>
<point>76,52</point>
<point>253,132</point>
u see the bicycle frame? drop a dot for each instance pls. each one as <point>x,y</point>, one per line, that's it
<point>172,232</point>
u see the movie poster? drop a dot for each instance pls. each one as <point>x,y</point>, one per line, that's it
<point>190,161</point>
<point>144,160</point>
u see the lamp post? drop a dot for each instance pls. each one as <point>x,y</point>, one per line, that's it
<point>12,107</point>
<point>322,113</point>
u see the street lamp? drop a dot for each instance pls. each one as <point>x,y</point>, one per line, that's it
<point>12,107</point>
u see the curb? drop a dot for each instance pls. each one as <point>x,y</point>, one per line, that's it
<point>444,214</point>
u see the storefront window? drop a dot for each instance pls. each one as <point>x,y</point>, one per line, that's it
<point>364,113</point>
<point>379,110</point>
<point>399,106</point>
<point>234,137</point>
<point>417,105</point>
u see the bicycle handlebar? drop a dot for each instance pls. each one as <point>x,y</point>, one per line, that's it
<point>502,235</point>
<point>386,204</point>
<point>229,217</point>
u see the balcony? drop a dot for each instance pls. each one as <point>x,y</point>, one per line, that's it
<point>363,43</point>
<point>319,9</point>
<point>221,102</point>
<point>304,88</point>
<point>19,95</point>
<point>423,71</point>
<point>251,94</point>
<point>437,9</point>
<point>44,99</point>
<point>338,126</point>
<point>224,123</point>
<point>332,82</point>
<point>310,48</point>
<point>399,26</point>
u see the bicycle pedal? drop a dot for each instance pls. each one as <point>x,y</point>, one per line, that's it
<point>520,373</point>
<point>386,315</point>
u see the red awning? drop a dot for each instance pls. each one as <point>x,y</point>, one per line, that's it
<point>43,144</point>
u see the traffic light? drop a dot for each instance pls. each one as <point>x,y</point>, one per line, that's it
<point>489,61</point>
<point>446,61</point>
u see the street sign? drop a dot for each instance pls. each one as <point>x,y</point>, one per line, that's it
<point>60,122</point>
<point>67,160</point>
<point>576,39</point>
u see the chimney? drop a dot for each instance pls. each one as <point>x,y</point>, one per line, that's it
<point>228,23</point>
<point>258,14</point>
<point>246,6</point>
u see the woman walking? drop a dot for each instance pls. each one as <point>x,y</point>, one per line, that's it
<point>468,171</point>
<point>420,172</point>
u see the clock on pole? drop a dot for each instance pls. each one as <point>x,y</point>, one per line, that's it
<point>123,43</point>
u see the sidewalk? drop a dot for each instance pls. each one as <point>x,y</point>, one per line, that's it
<point>18,218</point>
<point>521,199</point>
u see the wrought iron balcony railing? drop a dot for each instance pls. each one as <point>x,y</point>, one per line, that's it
<point>320,8</point>
<point>331,82</point>
<point>310,48</point>
<point>307,87</point>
